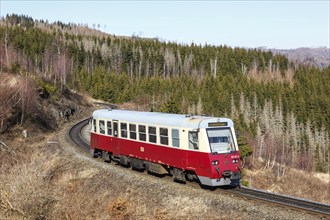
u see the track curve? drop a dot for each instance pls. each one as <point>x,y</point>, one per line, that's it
<point>75,135</point>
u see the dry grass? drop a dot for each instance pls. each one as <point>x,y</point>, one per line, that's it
<point>294,182</point>
<point>52,181</point>
<point>324,177</point>
<point>49,183</point>
<point>120,208</point>
<point>24,192</point>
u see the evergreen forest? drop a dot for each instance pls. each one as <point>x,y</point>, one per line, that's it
<point>281,108</point>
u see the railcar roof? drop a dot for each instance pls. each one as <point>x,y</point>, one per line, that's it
<point>158,118</point>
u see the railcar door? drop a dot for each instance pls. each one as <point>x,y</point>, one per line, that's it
<point>115,142</point>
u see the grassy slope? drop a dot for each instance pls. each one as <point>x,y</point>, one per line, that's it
<point>310,186</point>
<point>44,176</point>
<point>52,179</point>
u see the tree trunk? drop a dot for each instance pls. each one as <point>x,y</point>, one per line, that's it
<point>6,46</point>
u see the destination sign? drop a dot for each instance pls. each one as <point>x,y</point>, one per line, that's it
<point>218,124</point>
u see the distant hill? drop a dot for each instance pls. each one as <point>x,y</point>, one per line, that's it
<point>319,57</point>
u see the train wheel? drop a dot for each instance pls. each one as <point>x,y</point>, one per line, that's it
<point>93,153</point>
<point>124,161</point>
<point>106,156</point>
<point>178,175</point>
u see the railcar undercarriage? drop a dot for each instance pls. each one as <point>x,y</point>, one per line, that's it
<point>178,175</point>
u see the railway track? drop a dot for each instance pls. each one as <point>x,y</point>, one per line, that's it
<point>282,200</point>
<point>75,135</point>
<point>323,210</point>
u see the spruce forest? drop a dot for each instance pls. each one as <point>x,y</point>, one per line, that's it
<point>281,108</point>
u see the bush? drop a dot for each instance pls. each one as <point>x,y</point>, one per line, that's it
<point>47,89</point>
<point>244,183</point>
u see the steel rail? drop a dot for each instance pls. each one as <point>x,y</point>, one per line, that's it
<point>283,200</point>
<point>75,134</point>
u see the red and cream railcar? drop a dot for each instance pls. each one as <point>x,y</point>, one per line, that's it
<point>186,147</point>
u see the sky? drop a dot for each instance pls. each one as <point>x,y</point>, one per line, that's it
<point>272,24</point>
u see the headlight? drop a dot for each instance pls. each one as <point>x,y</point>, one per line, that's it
<point>215,162</point>
<point>235,161</point>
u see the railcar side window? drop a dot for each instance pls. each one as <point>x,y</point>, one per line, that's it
<point>109,127</point>
<point>193,140</point>
<point>163,133</point>
<point>123,129</point>
<point>175,138</point>
<point>102,126</point>
<point>142,133</point>
<point>132,131</point>
<point>152,134</point>
<point>94,125</point>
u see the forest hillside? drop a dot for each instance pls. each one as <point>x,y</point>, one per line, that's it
<point>318,57</point>
<point>281,108</point>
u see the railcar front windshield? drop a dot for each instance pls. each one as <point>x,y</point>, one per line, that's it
<point>221,140</point>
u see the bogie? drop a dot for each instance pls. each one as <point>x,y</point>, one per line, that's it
<point>95,153</point>
<point>155,168</point>
<point>137,164</point>
<point>106,156</point>
<point>124,161</point>
<point>190,175</point>
<point>178,175</point>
